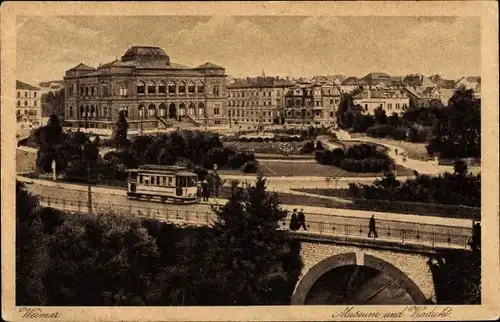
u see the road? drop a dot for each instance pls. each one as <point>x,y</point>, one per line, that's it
<point>319,219</point>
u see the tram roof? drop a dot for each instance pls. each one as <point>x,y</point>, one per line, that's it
<point>163,169</point>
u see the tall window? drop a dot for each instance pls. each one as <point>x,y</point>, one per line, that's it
<point>35,102</point>
<point>191,88</point>
<point>25,103</point>
<point>70,111</point>
<point>82,111</point>
<point>182,88</point>
<point>18,94</point>
<point>25,94</point>
<point>215,89</point>
<point>92,111</point>
<point>92,91</point>
<point>151,87</point>
<point>104,89</point>
<point>125,110</point>
<point>123,90</point>
<point>105,111</point>
<point>171,87</point>
<point>216,109</point>
<point>161,88</point>
<point>141,88</point>
<point>34,94</point>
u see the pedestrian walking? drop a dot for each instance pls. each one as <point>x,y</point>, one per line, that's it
<point>372,227</point>
<point>294,221</point>
<point>302,219</point>
<point>199,190</point>
<point>205,190</point>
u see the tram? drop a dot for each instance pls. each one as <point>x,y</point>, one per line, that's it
<point>170,184</point>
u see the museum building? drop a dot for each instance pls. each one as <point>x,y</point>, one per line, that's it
<point>152,91</point>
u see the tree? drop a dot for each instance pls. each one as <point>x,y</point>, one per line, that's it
<point>344,106</point>
<point>120,131</point>
<point>32,258</point>
<point>380,115</point>
<point>249,261</point>
<point>457,134</point>
<point>53,103</point>
<point>394,119</point>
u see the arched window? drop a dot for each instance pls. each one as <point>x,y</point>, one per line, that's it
<point>87,111</point>
<point>182,88</point>
<point>92,111</point>
<point>151,87</point>
<point>151,110</point>
<point>171,88</point>
<point>70,111</point>
<point>201,110</point>
<point>191,88</point>
<point>161,88</point>
<point>105,111</point>
<point>125,110</point>
<point>141,88</point>
<point>201,88</point>
<point>82,111</point>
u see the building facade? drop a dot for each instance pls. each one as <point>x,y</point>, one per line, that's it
<point>312,104</point>
<point>257,101</point>
<point>151,91</point>
<point>392,101</point>
<point>29,107</point>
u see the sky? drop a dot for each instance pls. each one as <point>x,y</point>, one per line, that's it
<point>292,46</point>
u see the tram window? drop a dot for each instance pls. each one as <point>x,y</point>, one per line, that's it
<point>140,179</point>
<point>164,181</point>
<point>152,180</point>
<point>158,180</point>
<point>191,181</point>
<point>170,181</point>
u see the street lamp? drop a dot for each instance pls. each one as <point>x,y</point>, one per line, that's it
<point>215,180</point>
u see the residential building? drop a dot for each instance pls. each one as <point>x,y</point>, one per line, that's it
<point>151,90</point>
<point>259,100</point>
<point>29,107</point>
<point>383,81</point>
<point>312,104</point>
<point>392,101</point>
<point>351,84</point>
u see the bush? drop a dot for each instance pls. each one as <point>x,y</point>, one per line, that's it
<point>250,167</point>
<point>308,148</point>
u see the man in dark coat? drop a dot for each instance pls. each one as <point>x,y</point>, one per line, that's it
<point>294,222</point>
<point>205,191</point>
<point>372,227</point>
<point>302,219</point>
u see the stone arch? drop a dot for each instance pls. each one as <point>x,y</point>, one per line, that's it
<point>201,109</point>
<point>172,111</point>
<point>313,275</point>
<point>162,110</point>
<point>151,110</point>
<point>182,109</point>
<point>191,109</point>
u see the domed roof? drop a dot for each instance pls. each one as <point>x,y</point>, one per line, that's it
<point>146,54</point>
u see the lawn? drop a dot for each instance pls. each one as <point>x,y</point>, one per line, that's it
<point>264,147</point>
<point>284,168</point>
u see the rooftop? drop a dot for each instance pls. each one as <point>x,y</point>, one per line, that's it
<point>22,85</point>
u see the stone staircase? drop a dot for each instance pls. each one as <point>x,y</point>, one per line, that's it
<point>164,123</point>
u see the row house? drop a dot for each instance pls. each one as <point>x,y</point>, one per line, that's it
<point>29,107</point>
<point>312,104</point>
<point>151,91</point>
<point>257,101</point>
<point>392,101</point>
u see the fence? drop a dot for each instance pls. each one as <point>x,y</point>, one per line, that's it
<point>355,228</point>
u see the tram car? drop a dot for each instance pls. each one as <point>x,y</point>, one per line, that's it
<point>171,184</point>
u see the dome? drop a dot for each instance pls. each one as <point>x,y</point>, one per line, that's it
<point>146,54</point>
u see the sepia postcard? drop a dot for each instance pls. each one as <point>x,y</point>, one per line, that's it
<point>250,161</point>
